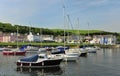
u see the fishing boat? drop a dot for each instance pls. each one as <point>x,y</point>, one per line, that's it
<point>39,61</point>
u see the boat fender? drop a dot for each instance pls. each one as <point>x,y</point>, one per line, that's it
<point>42,63</point>
<point>30,64</point>
<point>21,65</point>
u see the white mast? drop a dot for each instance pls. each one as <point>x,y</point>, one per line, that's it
<point>41,36</point>
<point>17,36</point>
<point>64,21</point>
<point>29,28</point>
<point>88,29</point>
<point>30,33</point>
<point>69,21</point>
<point>79,39</point>
<point>78,29</point>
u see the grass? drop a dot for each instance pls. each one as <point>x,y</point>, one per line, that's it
<point>83,32</point>
<point>52,44</point>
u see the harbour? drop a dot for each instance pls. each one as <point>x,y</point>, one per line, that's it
<point>59,38</point>
<point>103,63</point>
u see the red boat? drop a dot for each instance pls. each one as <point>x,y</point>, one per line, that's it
<point>10,52</point>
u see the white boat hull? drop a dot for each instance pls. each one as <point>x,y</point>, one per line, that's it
<point>70,58</point>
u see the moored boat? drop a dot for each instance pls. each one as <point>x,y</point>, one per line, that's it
<point>83,52</point>
<point>17,51</point>
<point>73,52</point>
<point>2,48</point>
<point>67,55</point>
<point>39,61</point>
<point>91,49</point>
<point>13,52</point>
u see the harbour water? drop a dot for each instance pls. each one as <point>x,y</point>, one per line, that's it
<point>106,62</point>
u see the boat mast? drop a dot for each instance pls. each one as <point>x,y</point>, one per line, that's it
<point>29,28</point>
<point>79,39</point>
<point>64,20</point>
<point>88,28</point>
<point>41,36</point>
<point>30,31</point>
<point>68,38</point>
<point>78,28</point>
<point>69,21</point>
<point>68,16</point>
<point>17,36</point>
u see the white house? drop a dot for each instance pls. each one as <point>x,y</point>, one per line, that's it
<point>35,38</point>
<point>30,37</point>
<point>103,39</point>
<point>47,37</point>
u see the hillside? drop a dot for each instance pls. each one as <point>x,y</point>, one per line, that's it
<point>84,32</point>
<point>9,28</point>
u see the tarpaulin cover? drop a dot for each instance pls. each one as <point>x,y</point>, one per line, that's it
<point>30,59</point>
<point>23,48</point>
<point>61,48</point>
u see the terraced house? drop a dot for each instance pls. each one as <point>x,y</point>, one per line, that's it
<point>104,39</point>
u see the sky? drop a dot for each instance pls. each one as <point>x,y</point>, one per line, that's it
<point>92,14</point>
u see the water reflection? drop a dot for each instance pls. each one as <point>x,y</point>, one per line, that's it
<point>105,52</point>
<point>41,71</point>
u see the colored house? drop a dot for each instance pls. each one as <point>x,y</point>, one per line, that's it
<point>104,39</point>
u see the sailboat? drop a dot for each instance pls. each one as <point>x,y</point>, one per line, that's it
<point>63,51</point>
<point>13,52</point>
<point>89,48</point>
<point>17,51</point>
<point>69,55</point>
